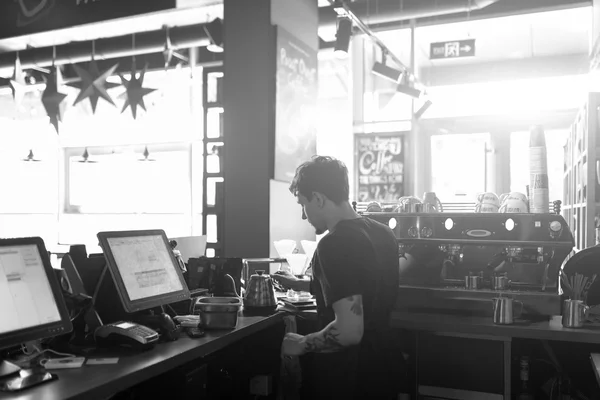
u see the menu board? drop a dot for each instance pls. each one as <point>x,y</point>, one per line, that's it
<point>295,105</point>
<point>380,167</point>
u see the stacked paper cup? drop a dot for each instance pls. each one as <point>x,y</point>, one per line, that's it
<point>539,199</point>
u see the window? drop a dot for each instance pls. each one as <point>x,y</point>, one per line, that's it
<point>458,166</point>
<point>137,173</point>
<point>132,179</point>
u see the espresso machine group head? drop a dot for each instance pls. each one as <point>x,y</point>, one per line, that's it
<point>453,261</point>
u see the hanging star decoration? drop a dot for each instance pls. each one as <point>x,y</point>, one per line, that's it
<point>52,98</point>
<point>93,84</point>
<point>169,52</point>
<point>17,82</point>
<point>135,92</point>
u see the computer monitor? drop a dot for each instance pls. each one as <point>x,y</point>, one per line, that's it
<point>32,306</point>
<point>143,268</point>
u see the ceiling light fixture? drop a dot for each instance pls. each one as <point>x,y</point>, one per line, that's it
<point>214,31</point>
<point>342,37</point>
<point>423,108</point>
<point>343,10</point>
<point>146,155</point>
<point>85,157</point>
<point>407,87</point>
<point>30,157</point>
<point>389,73</point>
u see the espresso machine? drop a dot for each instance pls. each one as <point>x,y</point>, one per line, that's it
<point>459,262</point>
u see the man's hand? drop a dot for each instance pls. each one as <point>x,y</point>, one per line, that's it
<point>285,278</point>
<point>293,345</point>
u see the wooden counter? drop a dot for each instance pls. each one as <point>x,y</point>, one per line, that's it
<point>452,323</point>
<point>101,381</point>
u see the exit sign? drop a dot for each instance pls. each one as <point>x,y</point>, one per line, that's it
<point>453,49</point>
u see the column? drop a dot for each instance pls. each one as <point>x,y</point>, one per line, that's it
<point>257,209</point>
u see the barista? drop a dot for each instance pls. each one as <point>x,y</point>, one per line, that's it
<point>355,270</point>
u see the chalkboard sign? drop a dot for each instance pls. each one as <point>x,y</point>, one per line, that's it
<point>295,105</point>
<point>380,167</point>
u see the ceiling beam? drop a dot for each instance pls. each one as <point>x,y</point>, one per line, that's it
<point>107,48</point>
<point>550,120</point>
<point>504,70</point>
<point>503,8</point>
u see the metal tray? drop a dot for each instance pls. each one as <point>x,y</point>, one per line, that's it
<point>218,304</point>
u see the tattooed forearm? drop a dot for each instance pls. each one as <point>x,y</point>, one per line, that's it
<point>324,341</point>
<point>357,306</point>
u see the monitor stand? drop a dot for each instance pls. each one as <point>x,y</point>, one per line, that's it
<point>8,368</point>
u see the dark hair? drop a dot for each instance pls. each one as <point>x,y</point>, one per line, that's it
<point>322,174</point>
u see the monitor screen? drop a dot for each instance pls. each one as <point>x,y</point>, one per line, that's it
<point>145,266</point>
<point>31,302</point>
<point>144,269</point>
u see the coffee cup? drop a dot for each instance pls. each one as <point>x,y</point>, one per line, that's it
<point>487,202</point>
<point>515,202</point>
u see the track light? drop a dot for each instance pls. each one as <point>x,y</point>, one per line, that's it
<point>342,37</point>
<point>214,30</point>
<point>423,108</point>
<point>389,73</point>
<point>407,87</point>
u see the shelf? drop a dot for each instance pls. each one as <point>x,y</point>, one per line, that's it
<point>582,150</point>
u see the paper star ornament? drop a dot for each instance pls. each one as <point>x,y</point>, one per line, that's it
<point>93,84</point>
<point>52,98</point>
<point>17,83</point>
<point>135,92</point>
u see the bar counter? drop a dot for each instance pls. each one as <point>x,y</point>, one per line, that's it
<point>101,381</point>
<point>471,325</point>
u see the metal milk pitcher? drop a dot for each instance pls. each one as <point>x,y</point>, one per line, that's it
<point>574,313</point>
<point>504,310</point>
<point>500,281</point>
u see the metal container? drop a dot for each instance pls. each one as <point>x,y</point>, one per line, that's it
<point>260,293</point>
<point>574,313</point>
<point>218,312</point>
<point>473,282</point>
<point>500,281</point>
<point>504,310</point>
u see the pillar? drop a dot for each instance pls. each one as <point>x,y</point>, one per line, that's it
<point>257,209</point>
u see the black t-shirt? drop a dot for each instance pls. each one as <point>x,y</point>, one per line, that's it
<point>357,257</point>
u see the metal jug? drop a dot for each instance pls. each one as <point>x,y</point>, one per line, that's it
<point>260,292</point>
<point>503,310</point>
<point>500,281</point>
<point>431,203</point>
<point>574,313</point>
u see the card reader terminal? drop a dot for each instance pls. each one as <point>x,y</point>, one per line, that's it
<point>126,334</point>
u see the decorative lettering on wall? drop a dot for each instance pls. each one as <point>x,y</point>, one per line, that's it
<point>380,167</point>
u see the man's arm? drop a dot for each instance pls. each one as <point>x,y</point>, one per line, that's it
<point>289,281</point>
<point>345,330</point>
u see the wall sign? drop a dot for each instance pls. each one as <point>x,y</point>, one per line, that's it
<point>25,17</point>
<point>453,49</point>
<point>380,167</point>
<point>295,105</point>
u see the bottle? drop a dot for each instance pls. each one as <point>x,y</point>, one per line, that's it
<point>525,392</point>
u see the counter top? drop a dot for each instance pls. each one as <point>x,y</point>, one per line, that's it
<point>101,381</point>
<point>453,323</point>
